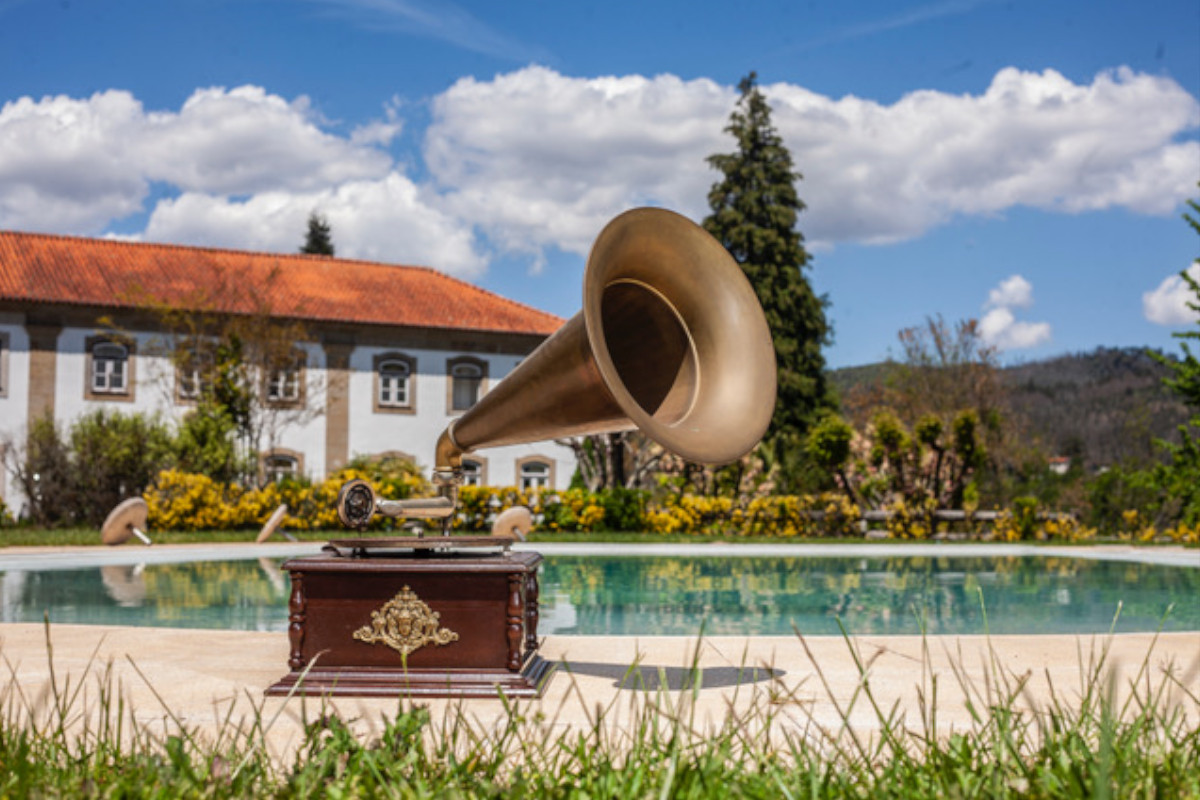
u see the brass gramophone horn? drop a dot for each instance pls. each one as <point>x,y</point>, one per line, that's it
<point>671,341</point>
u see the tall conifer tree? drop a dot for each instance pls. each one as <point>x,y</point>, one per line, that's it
<point>319,239</point>
<point>754,213</point>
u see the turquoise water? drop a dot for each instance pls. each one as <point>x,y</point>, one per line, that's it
<point>634,595</point>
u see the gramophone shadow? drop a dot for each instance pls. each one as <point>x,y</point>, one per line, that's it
<point>648,677</point>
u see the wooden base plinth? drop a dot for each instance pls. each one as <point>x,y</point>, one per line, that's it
<point>367,682</point>
<point>423,624</point>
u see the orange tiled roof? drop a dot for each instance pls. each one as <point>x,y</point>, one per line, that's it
<point>43,268</point>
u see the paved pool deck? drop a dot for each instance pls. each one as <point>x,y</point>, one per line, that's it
<point>205,679</point>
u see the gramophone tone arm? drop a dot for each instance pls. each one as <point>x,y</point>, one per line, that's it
<point>357,503</point>
<point>417,508</point>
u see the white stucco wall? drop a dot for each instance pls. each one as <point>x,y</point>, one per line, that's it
<point>151,380</point>
<point>416,433</point>
<point>370,431</point>
<point>14,397</point>
<point>303,430</point>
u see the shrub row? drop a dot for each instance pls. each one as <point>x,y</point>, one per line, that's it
<point>185,502</point>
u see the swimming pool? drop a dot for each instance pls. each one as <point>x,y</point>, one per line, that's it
<point>668,591</point>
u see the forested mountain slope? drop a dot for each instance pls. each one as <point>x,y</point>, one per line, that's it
<point>1106,406</point>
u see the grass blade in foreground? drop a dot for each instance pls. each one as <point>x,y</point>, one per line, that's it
<point>1137,739</point>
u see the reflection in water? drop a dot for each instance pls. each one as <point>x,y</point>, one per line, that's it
<point>124,583</point>
<point>270,568</point>
<point>231,595</point>
<point>677,596</point>
<point>768,596</point>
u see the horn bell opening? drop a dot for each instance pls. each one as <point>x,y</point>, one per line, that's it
<point>678,335</point>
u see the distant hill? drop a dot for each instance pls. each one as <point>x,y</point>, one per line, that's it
<point>1105,406</point>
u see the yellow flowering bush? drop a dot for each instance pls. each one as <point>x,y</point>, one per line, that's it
<point>660,520</point>
<point>188,502</point>
<point>1066,528</point>
<point>478,505</point>
<point>778,515</point>
<point>912,520</point>
<point>183,501</point>
<point>1005,527</point>
<point>1183,533</point>
<point>842,517</point>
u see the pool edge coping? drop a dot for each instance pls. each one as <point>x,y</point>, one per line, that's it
<point>44,558</point>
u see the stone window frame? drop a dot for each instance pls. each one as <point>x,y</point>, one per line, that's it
<point>457,361</point>
<point>482,473</point>
<point>398,454</point>
<point>206,351</point>
<point>551,471</point>
<point>279,452</point>
<point>129,393</point>
<point>410,405</point>
<point>300,358</point>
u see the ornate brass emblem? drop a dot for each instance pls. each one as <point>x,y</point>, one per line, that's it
<point>405,624</point>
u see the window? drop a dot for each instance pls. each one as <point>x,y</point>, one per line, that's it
<point>109,363</point>
<point>472,472</point>
<point>193,373</point>
<point>466,382</point>
<point>285,381</point>
<point>393,383</point>
<point>395,389</point>
<point>280,465</point>
<point>534,474</point>
<point>109,370</point>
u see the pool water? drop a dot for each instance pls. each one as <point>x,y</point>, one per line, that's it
<point>641,595</point>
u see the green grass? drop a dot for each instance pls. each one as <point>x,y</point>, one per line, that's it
<point>1082,743</point>
<point>24,536</point>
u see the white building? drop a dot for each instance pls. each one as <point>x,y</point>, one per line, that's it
<point>393,352</point>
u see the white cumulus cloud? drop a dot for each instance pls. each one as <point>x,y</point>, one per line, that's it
<point>1167,303</point>
<point>74,165</point>
<point>1003,331</point>
<point>879,172</point>
<point>245,140</point>
<point>70,165</point>
<point>534,161</point>
<point>380,220</point>
<point>1000,327</point>
<point>541,159</point>
<point>1013,292</point>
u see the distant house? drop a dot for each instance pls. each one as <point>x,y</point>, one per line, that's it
<point>393,353</point>
<point>1060,465</point>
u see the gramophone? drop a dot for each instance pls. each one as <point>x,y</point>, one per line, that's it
<point>671,341</point>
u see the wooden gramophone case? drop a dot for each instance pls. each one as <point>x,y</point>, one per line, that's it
<point>424,623</point>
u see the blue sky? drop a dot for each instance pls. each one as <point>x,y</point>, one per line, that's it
<point>1023,163</point>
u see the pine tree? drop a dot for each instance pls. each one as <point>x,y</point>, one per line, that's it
<point>1186,379</point>
<point>1179,478</point>
<point>754,214</point>
<point>319,240</point>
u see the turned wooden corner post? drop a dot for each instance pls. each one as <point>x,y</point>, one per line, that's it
<point>514,614</point>
<point>296,604</point>
<point>531,613</point>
